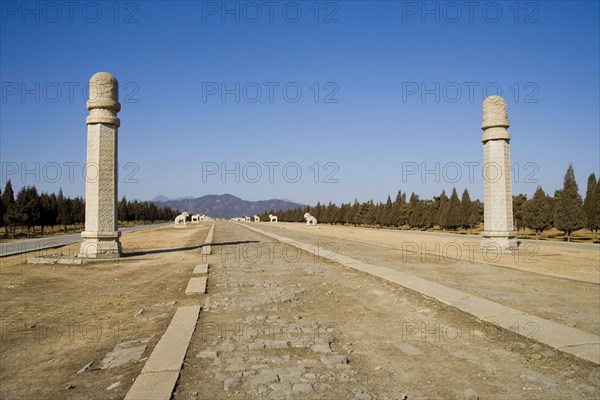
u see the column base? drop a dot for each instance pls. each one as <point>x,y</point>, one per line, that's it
<point>498,240</point>
<point>100,245</point>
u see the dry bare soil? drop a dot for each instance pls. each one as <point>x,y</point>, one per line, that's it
<point>280,323</point>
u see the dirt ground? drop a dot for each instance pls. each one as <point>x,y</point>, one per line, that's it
<point>276,323</point>
<point>54,319</point>
<point>570,302</point>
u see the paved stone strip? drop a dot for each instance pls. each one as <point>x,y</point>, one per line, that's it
<point>206,249</point>
<point>160,373</point>
<point>196,285</point>
<point>561,337</point>
<point>201,269</point>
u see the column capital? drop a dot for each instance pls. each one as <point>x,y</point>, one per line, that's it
<point>104,100</point>
<point>494,113</point>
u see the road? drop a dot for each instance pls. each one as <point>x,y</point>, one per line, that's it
<point>28,245</point>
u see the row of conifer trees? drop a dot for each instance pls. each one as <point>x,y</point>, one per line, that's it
<point>565,210</point>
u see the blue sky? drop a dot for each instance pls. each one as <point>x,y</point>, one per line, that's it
<point>361,98</point>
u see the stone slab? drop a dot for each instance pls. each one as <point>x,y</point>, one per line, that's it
<point>196,285</point>
<point>153,385</point>
<point>206,248</point>
<point>171,348</point>
<point>161,371</point>
<point>561,337</point>
<point>201,269</point>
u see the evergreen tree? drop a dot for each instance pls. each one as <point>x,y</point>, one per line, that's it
<point>27,207</point>
<point>518,202</point>
<point>441,205</point>
<point>568,213</point>
<point>62,209</point>
<point>597,197</point>
<point>429,213</point>
<point>415,211</point>
<point>466,209</point>
<point>537,212</point>
<point>10,217</point>
<point>451,217</point>
<point>476,217</point>
<point>590,204</point>
<point>123,210</point>
<point>386,218</point>
<point>1,211</point>
<point>48,211</point>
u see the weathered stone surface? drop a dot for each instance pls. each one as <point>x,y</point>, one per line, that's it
<point>201,269</point>
<point>333,360</point>
<point>196,285</point>
<point>101,234</point>
<point>207,354</point>
<point>498,231</point>
<point>264,378</point>
<point>153,385</point>
<point>171,348</point>
<point>232,383</point>
<point>303,387</point>
<point>123,353</point>
<point>408,349</point>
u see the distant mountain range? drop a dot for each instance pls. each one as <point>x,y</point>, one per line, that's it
<point>224,205</point>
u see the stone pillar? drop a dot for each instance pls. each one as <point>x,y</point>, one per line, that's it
<point>498,230</point>
<point>101,235</point>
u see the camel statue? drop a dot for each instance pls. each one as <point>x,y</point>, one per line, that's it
<point>180,219</point>
<point>272,218</point>
<point>310,220</point>
<point>256,218</point>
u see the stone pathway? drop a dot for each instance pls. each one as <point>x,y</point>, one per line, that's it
<point>279,323</point>
<point>561,337</point>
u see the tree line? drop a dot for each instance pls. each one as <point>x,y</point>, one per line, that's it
<point>47,210</point>
<point>565,211</point>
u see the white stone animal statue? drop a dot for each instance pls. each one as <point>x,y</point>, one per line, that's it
<point>272,218</point>
<point>180,219</point>
<point>247,219</point>
<point>256,218</point>
<point>310,220</point>
<point>196,218</point>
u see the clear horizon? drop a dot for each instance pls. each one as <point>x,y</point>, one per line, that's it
<point>307,102</point>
